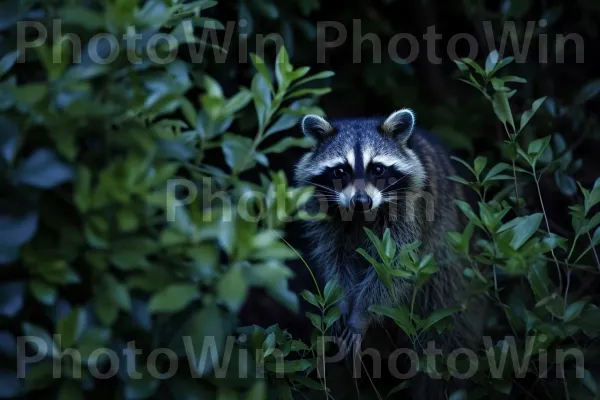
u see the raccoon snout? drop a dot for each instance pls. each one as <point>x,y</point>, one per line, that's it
<point>361,202</point>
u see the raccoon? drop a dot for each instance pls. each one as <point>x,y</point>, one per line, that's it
<point>385,173</point>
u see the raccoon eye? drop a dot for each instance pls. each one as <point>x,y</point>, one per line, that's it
<point>339,172</point>
<point>377,169</point>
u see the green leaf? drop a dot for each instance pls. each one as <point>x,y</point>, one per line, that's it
<point>297,345</point>
<point>590,382</point>
<point>10,385</point>
<point>237,102</point>
<point>502,108</point>
<point>308,382</point>
<point>316,320</point>
<point>282,68</point>
<point>298,73</point>
<point>400,315</point>
<point>468,211</point>
<point>71,327</point>
<point>30,94</point>
<point>401,386</point>
<point>310,92</point>
<point>460,394</point>
<point>39,333</point>
<point>12,298</point>
<point>320,75</point>
<point>461,66</point>
<point>516,79</point>
<point>523,228</point>
<point>574,310</point>
<point>261,67</point>
<point>437,316</point>
<point>43,169</point>
<point>479,164</point>
<point>537,147</point>
<point>140,388</point>
<point>258,391</point>
<point>540,282</point>
<point>83,17</point>
<point>527,115</point>
<point>9,139</point>
<point>39,376</point>
<point>288,142</point>
<point>377,243</point>
<point>332,292</point>
<point>310,297</point>
<point>173,298</point>
<point>288,367</point>
<point>463,162</point>
<point>208,326</point>
<point>236,149</point>
<point>460,180</point>
<point>498,85</point>
<point>495,170</point>
<point>262,100</point>
<point>70,390</point>
<point>268,345</point>
<point>475,66</point>
<point>43,292</point>
<point>285,122</point>
<point>331,317</point>
<point>233,288</point>
<point>491,61</point>
<point>7,62</point>
<point>502,63</point>
<point>366,255</point>
<point>588,92</point>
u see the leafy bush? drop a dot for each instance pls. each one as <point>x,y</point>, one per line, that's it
<point>106,236</point>
<point>120,218</point>
<point>543,324</point>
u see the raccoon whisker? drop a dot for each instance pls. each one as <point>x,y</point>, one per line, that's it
<point>320,186</point>
<point>394,196</point>
<point>396,190</point>
<point>393,199</point>
<point>395,203</point>
<point>393,183</point>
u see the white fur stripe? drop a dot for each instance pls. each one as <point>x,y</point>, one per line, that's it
<point>366,156</point>
<point>388,161</point>
<point>319,168</point>
<point>350,158</point>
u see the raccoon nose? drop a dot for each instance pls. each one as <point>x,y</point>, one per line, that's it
<point>362,202</point>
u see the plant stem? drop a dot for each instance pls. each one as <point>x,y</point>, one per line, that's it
<point>323,353</point>
<point>516,185</point>
<point>567,291</point>
<point>412,304</point>
<point>537,185</point>
<point>594,250</point>
<point>573,246</point>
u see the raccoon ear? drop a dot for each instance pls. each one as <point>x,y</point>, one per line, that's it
<point>399,125</point>
<point>316,127</point>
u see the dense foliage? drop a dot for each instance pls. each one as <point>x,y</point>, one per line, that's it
<point>148,237</point>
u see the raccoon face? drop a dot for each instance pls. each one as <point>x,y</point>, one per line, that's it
<point>361,164</point>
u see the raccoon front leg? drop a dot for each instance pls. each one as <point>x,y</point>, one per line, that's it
<point>347,283</point>
<point>372,291</point>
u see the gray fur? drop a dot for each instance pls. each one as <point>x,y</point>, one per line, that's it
<point>335,242</point>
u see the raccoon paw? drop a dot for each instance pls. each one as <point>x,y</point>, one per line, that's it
<point>351,341</point>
